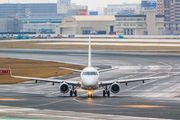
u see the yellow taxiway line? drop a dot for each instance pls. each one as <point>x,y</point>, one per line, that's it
<point>106,105</point>
<point>9,99</point>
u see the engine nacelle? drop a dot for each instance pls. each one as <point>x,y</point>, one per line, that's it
<point>64,88</point>
<point>115,88</point>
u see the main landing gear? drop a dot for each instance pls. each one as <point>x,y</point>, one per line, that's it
<point>89,94</point>
<point>106,91</point>
<point>73,92</point>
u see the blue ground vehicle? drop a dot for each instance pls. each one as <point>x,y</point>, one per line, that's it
<point>22,37</point>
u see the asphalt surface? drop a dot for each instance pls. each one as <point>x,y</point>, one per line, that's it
<point>154,99</point>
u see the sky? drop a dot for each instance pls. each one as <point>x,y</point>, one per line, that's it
<point>92,4</point>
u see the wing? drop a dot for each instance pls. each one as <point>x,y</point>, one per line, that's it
<point>130,80</point>
<point>105,70</point>
<point>49,80</point>
<point>70,69</point>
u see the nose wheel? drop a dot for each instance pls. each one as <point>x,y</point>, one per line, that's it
<point>73,92</point>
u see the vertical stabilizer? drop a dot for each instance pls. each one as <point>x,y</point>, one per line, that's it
<point>89,57</point>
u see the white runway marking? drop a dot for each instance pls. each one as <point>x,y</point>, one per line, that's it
<point>109,44</point>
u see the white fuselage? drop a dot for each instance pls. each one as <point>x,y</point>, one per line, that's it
<point>89,78</point>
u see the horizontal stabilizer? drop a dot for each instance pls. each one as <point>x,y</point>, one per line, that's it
<point>105,70</point>
<point>70,69</point>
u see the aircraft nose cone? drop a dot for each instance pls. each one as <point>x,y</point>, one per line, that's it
<point>89,82</point>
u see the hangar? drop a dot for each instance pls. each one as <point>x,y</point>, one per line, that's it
<point>72,25</point>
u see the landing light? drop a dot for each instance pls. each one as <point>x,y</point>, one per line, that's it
<point>79,83</point>
<point>89,92</point>
<point>100,83</point>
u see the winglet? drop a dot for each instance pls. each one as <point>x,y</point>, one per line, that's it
<point>89,57</point>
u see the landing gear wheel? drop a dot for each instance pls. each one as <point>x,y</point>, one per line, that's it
<point>75,93</point>
<point>108,93</point>
<point>104,93</point>
<point>90,96</point>
<point>71,93</point>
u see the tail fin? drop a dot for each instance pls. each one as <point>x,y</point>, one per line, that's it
<point>89,57</point>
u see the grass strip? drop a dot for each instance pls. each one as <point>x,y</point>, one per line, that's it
<point>33,68</point>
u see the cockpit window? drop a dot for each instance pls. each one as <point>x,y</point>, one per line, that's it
<point>90,73</point>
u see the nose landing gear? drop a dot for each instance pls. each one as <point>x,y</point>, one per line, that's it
<point>89,94</point>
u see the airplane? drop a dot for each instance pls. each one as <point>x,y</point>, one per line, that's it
<point>89,80</point>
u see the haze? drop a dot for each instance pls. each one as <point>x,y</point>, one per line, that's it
<point>92,4</point>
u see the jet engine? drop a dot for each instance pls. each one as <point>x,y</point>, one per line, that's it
<point>115,88</point>
<point>64,88</point>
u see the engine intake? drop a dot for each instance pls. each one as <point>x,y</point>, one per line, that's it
<point>115,88</point>
<point>64,88</point>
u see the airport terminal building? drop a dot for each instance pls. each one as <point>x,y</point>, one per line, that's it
<point>148,24</point>
<point>72,25</point>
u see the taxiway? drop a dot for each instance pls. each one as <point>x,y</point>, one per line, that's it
<point>156,99</point>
